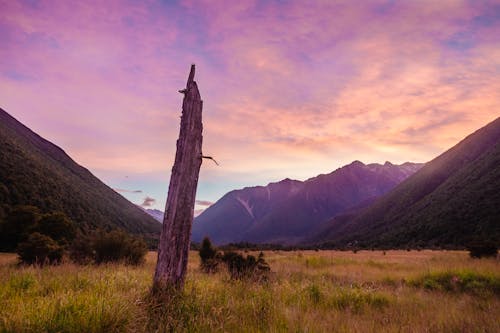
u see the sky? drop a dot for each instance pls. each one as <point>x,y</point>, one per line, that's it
<point>290,88</point>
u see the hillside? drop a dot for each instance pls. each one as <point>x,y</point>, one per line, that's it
<point>452,200</point>
<point>33,171</point>
<point>286,211</point>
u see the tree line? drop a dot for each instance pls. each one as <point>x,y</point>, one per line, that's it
<point>50,238</point>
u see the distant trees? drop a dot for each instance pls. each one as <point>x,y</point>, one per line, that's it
<point>17,226</point>
<point>480,249</point>
<point>45,238</point>
<point>37,238</point>
<point>238,266</point>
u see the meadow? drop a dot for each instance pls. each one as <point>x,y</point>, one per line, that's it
<point>307,291</point>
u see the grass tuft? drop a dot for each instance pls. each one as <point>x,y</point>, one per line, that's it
<point>459,281</point>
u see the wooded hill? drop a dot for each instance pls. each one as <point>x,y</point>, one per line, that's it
<point>33,171</point>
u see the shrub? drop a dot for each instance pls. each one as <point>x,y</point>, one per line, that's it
<point>118,246</point>
<point>246,267</point>
<point>39,249</point>
<point>81,250</point>
<point>18,224</point>
<point>102,247</point>
<point>482,249</point>
<point>239,266</point>
<point>262,264</point>
<point>209,256</point>
<point>314,293</point>
<point>57,226</point>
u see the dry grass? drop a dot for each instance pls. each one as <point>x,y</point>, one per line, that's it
<point>325,291</point>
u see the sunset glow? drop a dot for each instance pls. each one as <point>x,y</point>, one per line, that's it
<point>290,88</point>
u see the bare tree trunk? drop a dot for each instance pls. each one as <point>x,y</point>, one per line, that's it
<point>176,233</point>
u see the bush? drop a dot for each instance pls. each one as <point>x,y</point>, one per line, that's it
<point>246,267</point>
<point>18,224</point>
<point>57,226</point>
<point>102,247</point>
<point>482,249</point>
<point>81,250</point>
<point>239,267</point>
<point>39,249</point>
<point>209,256</point>
<point>22,221</point>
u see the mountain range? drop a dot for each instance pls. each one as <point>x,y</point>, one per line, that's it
<point>286,211</point>
<point>448,202</point>
<point>451,201</point>
<point>34,171</point>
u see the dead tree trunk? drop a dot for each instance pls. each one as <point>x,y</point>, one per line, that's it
<point>176,232</point>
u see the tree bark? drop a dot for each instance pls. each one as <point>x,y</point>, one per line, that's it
<point>175,237</point>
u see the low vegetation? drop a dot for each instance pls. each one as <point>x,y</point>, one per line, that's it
<point>39,249</point>
<point>238,265</point>
<point>37,238</point>
<point>209,256</point>
<point>43,239</point>
<point>101,247</point>
<point>314,291</point>
<point>482,249</point>
<point>460,281</point>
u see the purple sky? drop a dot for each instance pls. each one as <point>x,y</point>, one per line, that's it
<point>290,88</point>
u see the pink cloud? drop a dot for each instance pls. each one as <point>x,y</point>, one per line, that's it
<point>290,89</point>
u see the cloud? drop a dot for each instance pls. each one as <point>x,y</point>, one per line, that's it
<point>290,89</point>
<point>148,202</point>
<point>126,191</point>
<point>204,203</point>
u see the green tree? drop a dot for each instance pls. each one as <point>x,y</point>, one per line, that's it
<point>57,226</point>
<point>18,224</point>
<point>118,246</point>
<point>39,249</point>
<point>81,250</point>
<point>208,255</point>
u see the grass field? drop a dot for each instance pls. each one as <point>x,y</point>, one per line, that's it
<point>325,291</point>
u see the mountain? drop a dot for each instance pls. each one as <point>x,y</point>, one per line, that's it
<point>236,212</point>
<point>34,171</point>
<point>454,199</point>
<point>286,211</point>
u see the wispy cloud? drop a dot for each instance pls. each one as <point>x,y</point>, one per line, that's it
<point>290,88</point>
<point>126,191</point>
